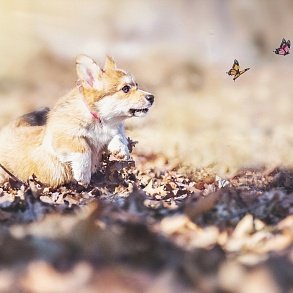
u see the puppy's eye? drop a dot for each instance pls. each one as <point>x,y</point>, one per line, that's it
<point>126,88</point>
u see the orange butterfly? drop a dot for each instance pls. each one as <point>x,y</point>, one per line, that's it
<point>235,70</point>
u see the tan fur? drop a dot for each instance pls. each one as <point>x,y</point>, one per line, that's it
<point>68,146</point>
<point>23,155</point>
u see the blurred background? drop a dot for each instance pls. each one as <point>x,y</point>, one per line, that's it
<point>180,51</point>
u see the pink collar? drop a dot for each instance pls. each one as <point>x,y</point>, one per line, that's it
<point>95,114</point>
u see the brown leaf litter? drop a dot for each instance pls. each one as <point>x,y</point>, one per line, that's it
<point>145,228</point>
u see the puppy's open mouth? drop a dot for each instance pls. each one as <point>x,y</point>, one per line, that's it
<point>138,112</point>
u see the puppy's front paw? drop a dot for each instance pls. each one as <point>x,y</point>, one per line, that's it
<point>119,150</point>
<point>122,156</point>
<point>122,153</point>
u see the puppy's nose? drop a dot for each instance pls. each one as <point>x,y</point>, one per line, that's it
<point>150,98</point>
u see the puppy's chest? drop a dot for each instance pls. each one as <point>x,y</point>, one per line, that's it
<point>99,136</point>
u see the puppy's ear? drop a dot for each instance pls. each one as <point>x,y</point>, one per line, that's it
<point>88,71</point>
<point>109,64</point>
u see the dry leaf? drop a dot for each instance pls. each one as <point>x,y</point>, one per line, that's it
<point>244,227</point>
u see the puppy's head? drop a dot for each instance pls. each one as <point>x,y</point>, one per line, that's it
<point>110,91</point>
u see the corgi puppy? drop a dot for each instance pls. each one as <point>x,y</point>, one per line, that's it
<point>65,144</point>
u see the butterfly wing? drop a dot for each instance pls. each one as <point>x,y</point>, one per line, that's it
<point>284,48</point>
<point>235,65</point>
<point>232,72</point>
<point>235,68</point>
<point>280,51</point>
<point>287,47</point>
<point>240,73</point>
<point>236,75</point>
<point>283,43</point>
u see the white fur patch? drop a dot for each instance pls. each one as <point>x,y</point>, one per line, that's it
<point>81,166</point>
<point>118,144</point>
<point>129,79</point>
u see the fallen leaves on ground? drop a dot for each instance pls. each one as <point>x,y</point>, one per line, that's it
<point>144,228</point>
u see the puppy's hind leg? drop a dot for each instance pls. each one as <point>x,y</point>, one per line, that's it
<point>76,152</point>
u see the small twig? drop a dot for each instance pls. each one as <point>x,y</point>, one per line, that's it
<point>10,174</point>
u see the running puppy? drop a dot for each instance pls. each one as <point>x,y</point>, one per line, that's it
<point>65,144</point>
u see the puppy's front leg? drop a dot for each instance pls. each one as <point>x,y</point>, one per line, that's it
<point>118,145</point>
<point>81,167</point>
